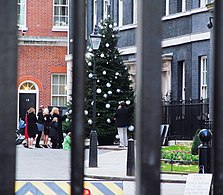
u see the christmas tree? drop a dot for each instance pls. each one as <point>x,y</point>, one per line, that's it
<point>113,82</point>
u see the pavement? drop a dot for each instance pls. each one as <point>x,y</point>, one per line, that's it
<point>113,165</point>
<point>46,164</point>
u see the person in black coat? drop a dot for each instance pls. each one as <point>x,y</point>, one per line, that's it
<point>121,118</point>
<point>32,127</point>
<point>40,126</point>
<point>55,113</point>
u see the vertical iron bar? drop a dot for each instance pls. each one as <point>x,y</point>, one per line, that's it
<point>78,95</point>
<point>8,94</point>
<point>148,106</point>
<point>218,97</point>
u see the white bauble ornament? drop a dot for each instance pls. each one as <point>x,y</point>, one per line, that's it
<point>92,103</point>
<point>107,106</point>
<point>86,112</point>
<point>70,111</point>
<point>131,128</point>
<point>104,72</point>
<point>115,24</point>
<point>113,36</point>
<point>109,92</point>
<point>108,120</point>
<point>108,85</point>
<point>98,114</point>
<point>67,120</point>
<point>98,81</point>
<point>116,73</point>
<point>102,55</point>
<point>128,102</point>
<point>107,44</point>
<point>98,90</point>
<point>89,121</point>
<point>89,64</point>
<point>105,95</point>
<point>90,75</point>
<point>118,90</point>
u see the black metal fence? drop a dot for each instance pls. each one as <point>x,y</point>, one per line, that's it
<point>185,118</point>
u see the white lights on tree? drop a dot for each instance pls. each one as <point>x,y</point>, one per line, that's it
<point>118,90</point>
<point>110,26</point>
<point>116,73</point>
<point>67,120</point>
<point>90,75</point>
<point>70,111</point>
<point>115,24</point>
<point>102,55</point>
<point>98,90</point>
<point>107,44</point>
<point>98,81</point>
<point>89,64</point>
<point>98,114</point>
<point>107,105</point>
<point>117,136</point>
<point>108,84</point>
<point>108,120</point>
<point>109,92</point>
<point>86,112</point>
<point>104,72</point>
<point>89,121</point>
<point>92,103</point>
<point>127,102</point>
<point>113,36</point>
<point>105,95</point>
<point>116,77</point>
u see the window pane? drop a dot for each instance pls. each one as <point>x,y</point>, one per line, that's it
<point>62,101</point>
<point>55,79</point>
<point>62,90</point>
<point>55,89</point>
<point>56,2</point>
<point>62,79</point>
<point>54,101</point>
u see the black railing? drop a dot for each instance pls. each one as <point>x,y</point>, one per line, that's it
<point>185,118</point>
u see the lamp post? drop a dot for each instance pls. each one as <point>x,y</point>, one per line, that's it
<point>95,40</point>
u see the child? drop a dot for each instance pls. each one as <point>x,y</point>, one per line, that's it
<point>54,132</point>
<point>67,142</point>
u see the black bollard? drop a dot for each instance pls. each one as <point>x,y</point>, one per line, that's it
<point>131,158</point>
<point>204,151</point>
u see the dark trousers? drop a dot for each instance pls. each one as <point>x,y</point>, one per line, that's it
<point>54,143</point>
<point>38,138</point>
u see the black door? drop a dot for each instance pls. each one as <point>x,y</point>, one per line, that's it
<point>26,100</point>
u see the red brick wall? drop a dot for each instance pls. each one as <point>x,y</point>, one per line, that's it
<point>37,63</point>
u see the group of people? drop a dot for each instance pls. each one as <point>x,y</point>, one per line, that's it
<point>48,124</point>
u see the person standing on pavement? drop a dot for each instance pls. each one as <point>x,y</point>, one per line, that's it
<point>40,126</point>
<point>47,126</point>
<point>121,118</point>
<point>32,126</point>
<point>55,113</point>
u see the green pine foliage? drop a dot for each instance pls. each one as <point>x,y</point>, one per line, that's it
<point>113,81</point>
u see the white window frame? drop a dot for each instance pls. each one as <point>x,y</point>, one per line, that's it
<point>22,6</point>
<point>167,8</point>
<point>58,95</point>
<point>135,12</point>
<point>60,25</point>
<point>203,3</point>
<point>183,81</point>
<point>106,6</point>
<point>120,13</point>
<point>95,13</point>
<point>184,6</point>
<point>203,79</point>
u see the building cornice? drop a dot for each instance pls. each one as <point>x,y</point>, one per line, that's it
<point>42,41</point>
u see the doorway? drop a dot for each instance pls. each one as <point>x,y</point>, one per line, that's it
<point>27,97</point>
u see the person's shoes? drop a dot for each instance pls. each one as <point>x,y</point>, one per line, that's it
<point>38,146</point>
<point>45,146</point>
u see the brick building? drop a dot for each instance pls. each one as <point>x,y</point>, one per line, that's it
<point>42,46</point>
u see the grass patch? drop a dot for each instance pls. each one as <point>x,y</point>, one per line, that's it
<point>179,168</point>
